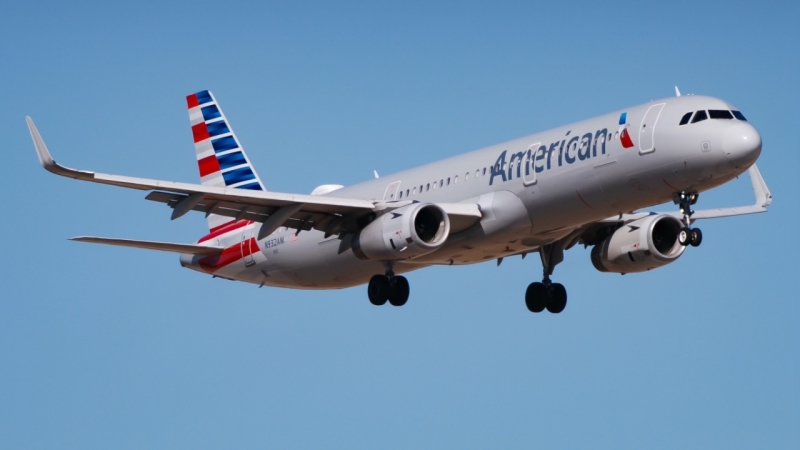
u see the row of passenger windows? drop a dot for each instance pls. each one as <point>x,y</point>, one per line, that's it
<point>482,172</point>
<point>711,114</point>
<point>436,184</point>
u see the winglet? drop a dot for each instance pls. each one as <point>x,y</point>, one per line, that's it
<point>46,159</point>
<point>763,195</point>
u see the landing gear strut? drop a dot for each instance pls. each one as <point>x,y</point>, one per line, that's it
<point>547,295</point>
<point>688,235</point>
<point>389,287</point>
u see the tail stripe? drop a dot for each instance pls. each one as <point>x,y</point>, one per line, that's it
<point>221,160</point>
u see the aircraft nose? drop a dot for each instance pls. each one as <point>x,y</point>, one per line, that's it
<point>742,144</point>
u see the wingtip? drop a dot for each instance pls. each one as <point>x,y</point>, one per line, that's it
<point>45,159</point>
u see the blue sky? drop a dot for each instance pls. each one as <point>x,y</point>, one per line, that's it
<point>106,347</point>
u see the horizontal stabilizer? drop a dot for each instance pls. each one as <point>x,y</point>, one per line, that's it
<point>152,245</point>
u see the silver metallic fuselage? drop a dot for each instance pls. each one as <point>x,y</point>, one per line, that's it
<point>524,208</point>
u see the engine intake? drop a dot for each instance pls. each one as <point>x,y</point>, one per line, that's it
<point>404,233</point>
<point>641,245</point>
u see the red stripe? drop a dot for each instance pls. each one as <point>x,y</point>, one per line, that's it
<point>229,256</point>
<point>224,228</point>
<point>200,132</point>
<point>191,101</point>
<point>208,165</point>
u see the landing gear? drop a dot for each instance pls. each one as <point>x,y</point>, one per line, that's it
<point>688,235</point>
<point>547,295</point>
<point>389,287</point>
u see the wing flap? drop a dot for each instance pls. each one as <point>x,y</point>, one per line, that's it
<point>152,245</point>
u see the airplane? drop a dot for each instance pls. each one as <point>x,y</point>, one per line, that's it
<point>582,183</point>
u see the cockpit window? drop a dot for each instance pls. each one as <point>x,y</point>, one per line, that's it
<point>720,114</point>
<point>685,118</point>
<point>699,115</point>
<point>739,115</point>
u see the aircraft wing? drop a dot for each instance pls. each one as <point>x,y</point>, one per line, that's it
<point>274,209</point>
<point>762,194</point>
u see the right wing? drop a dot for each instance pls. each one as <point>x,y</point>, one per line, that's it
<point>333,215</point>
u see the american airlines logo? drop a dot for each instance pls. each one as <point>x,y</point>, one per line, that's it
<point>539,158</point>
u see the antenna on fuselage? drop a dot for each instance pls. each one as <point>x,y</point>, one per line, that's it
<point>376,174</point>
<point>677,92</point>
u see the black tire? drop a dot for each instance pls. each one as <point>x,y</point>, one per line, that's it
<point>536,297</point>
<point>685,236</point>
<point>399,291</point>
<point>696,237</point>
<point>378,290</point>
<point>558,298</point>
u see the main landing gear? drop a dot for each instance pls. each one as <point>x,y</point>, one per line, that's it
<point>547,295</point>
<point>389,287</point>
<point>688,235</point>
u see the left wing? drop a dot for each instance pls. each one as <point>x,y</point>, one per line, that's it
<point>333,215</point>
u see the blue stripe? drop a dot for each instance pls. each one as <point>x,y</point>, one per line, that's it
<point>217,128</point>
<point>231,159</point>
<point>210,112</point>
<point>203,97</point>
<point>251,186</point>
<point>622,118</point>
<point>225,143</point>
<point>238,175</point>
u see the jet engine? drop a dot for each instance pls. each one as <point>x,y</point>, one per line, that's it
<point>641,245</point>
<point>403,233</point>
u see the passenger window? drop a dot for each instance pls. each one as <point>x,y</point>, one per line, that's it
<point>434,185</point>
<point>699,116</point>
<point>466,176</point>
<point>414,191</point>
<point>477,173</point>
<point>400,195</point>
<point>720,114</point>
<point>685,118</point>
<point>455,180</point>
<point>739,115</point>
<point>408,192</point>
<point>448,181</point>
<point>427,187</point>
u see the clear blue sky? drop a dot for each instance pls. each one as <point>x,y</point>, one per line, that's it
<point>106,347</point>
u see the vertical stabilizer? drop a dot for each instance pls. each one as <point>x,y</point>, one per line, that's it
<point>220,157</point>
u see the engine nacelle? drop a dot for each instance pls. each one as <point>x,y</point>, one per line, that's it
<point>641,245</point>
<point>403,233</point>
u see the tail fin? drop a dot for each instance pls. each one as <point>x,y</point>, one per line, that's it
<point>220,157</point>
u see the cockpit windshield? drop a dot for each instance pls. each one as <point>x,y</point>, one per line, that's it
<point>720,114</point>
<point>702,115</point>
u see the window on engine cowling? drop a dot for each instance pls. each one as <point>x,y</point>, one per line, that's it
<point>720,114</point>
<point>699,116</point>
<point>739,115</point>
<point>685,118</point>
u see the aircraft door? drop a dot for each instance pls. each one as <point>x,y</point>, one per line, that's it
<point>249,246</point>
<point>391,191</point>
<point>647,129</point>
<point>529,169</point>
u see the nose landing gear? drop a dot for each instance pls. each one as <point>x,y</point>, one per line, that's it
<point>547,295</point>
<point>389,287</point>
<point>688,235</point>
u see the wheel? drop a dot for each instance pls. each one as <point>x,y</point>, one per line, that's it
<point>558,298</point>
<point>398,291</point>
<point>536,297</point>
<point>378,290</point>
<point>696,237</point>
<point>684,236</point>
